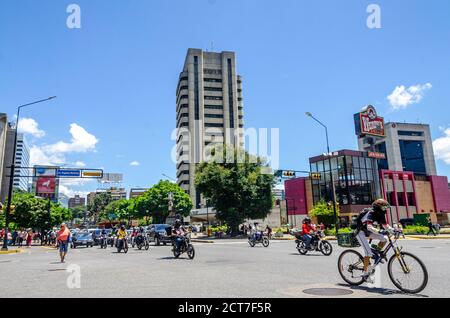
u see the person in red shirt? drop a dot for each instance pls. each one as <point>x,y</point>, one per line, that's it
<point>307,230</point>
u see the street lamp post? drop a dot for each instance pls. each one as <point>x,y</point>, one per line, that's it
<point>11,177</point>
<point>333,191</point>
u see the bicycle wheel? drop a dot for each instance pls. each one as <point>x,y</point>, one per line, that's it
<point>408,273</point>
<point>326,248</point>
<point>351,267</point>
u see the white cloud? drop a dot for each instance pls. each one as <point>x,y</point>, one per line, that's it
<point>82,141</point>
<point>71,193</point>
<point>80,164</point>
<point>54,154</point>
<point>135,163</point>
<point>402,97</point>
<point>30,126</point>
<point>442,147</point>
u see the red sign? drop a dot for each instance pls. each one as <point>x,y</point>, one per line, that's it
<point>45,185</point>
<point>371,123</point>
<point>377,155</point>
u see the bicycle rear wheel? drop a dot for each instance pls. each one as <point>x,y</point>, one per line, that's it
<point>408,273</point>
<point>351,267</point>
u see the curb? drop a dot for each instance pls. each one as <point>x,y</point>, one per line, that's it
<point>420,237</point>
<point>201,241</point>
<point>10,252</point>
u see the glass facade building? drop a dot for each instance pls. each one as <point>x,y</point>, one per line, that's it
<point>355,177</point>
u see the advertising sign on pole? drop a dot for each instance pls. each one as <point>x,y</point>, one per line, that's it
<point>368,123</point>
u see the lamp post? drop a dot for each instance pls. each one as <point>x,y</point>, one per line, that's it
<point>11,177</point>
<point>333,192</point>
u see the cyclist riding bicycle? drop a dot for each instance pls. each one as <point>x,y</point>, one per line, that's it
<point>366,229</point>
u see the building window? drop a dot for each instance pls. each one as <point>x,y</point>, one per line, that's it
<point>213,97</point>
<point>213,116</point>
<point>213,89</point>
<point>213,80</point>
<point>213,125</point>
<point>410,133</point>
<point>412,156</point>
<point>400,199</point>
<point>213,107</point>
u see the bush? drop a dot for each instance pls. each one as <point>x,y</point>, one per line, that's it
<point>215,229</point>
<point>332,232</point>
<point>415,229</point>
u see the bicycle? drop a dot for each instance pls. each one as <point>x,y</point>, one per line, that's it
<point>404,268</point>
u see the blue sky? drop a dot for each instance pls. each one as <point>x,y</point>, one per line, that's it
<point>115,78</point>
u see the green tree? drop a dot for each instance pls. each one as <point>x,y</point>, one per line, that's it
<point>78,212</point>
<point>121,210</point>
<point>324,213</point>
<point>155,203</point>
<point>238,190</point>
<point>34,212</point>
<point>98,204</point>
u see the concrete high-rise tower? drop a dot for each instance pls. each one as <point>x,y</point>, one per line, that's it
<point>209,111</point>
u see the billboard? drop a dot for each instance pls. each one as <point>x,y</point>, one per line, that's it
<point>45,183</point>
<point>368,123</point>
<point>112,178</point>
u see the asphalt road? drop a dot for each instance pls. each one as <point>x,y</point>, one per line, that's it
<point>227,268</point>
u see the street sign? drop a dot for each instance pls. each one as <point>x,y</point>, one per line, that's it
<point>316,175</point>
<point>92,173</point>
<point>71,173</point>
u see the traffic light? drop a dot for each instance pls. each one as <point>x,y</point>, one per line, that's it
<point>316,175</point>
<point>288,173</point>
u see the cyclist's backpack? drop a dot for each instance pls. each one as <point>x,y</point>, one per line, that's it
<point>357,222</point>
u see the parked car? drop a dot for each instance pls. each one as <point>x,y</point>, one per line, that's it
<point>160,233</point>
<point>407,222</point>
<point>83,239</point>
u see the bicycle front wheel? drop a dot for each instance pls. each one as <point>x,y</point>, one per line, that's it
<point>351,267</point>
<point>408,273</point>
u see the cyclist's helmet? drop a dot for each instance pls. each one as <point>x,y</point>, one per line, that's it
<point>381,204</point>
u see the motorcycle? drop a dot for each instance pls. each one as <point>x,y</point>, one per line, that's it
<point>258,238</point>
<point>185,247</point>
<point>141,240</point>
<point>122,244</point>
<point>103,242</point>
<point>317,244</point>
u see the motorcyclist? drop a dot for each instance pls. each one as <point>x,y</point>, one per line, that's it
<point>179,233</point>
<point>307,232</point>
<point>366,229</point>
<point>122,234</point>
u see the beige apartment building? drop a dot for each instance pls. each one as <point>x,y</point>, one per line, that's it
<point>209,112</point>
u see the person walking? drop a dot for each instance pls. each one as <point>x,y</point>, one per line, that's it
<point>62,239</point>
<point>29,238</point>
<point>269,232</point>
<point>430,227</point>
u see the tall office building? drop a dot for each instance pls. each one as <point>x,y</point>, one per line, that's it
<point>209,111</point>
<point>21,181</point>
<point>408,147</point>
<point>3,133</point>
